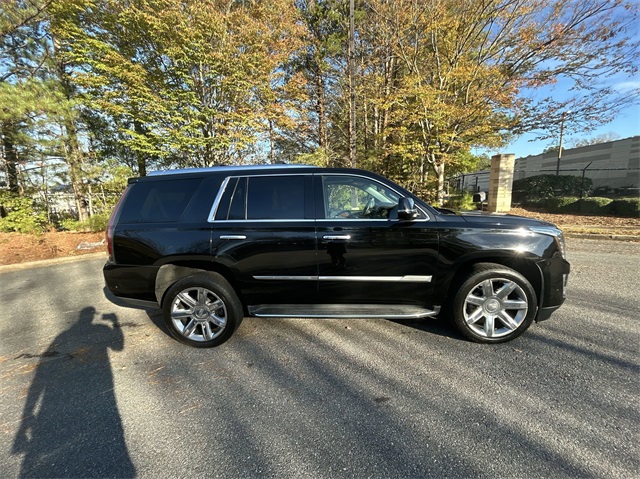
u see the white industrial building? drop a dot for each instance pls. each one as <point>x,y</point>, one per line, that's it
<point>615,164</point>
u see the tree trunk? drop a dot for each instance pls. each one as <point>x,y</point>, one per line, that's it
<point>140,158</point>
<point>439,169</point>
<point>352,88</point>
<point>320,110</point>
<point>74,161</point>
<point>10,160</point>
<point>272,148</point>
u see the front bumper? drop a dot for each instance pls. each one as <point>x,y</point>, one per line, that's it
<point>556,277</point>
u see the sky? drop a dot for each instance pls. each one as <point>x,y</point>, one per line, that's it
<point>626,125</point>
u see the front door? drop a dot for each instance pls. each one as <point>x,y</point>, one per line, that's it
<point>365,254</point>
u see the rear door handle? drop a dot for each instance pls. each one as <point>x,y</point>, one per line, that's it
<point>233,237</point>
<point>337,237</point>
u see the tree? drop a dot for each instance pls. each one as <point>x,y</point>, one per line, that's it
<point>26,93</point>
<point>187,80</point>
<point>594,140</point>
<point>467,71</point>
<point>311,78</point>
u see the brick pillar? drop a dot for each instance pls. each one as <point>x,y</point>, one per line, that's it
<point>500,183</point>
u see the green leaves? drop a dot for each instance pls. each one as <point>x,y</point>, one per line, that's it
<point>191,74</point>
<point>161,83</point>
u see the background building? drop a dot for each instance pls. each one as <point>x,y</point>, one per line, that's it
<point>613,164</point>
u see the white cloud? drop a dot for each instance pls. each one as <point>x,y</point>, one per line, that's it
<point>627,86</point>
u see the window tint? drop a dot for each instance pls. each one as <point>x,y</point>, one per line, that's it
<point>353,197</point>
<point>225,201</point>
<point>158,201</point>
<point>238,201</point>
<point>275,197</point>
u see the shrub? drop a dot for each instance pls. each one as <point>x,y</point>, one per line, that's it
<point>602,190</point>
<point>70,224</point>
<point>626,207</point>
<point>562,204</point>
<point>594,206</point>
<point>533,188</point>
<point>21,215</point>
<point>95,223</point>
<point>463,202</point>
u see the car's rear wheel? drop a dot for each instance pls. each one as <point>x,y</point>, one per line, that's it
<point>202,310</point>
<point>494,304</point>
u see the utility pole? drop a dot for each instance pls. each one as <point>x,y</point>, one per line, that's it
<point>352,88</point>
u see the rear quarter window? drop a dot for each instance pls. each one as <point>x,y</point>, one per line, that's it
<point>158,201</point>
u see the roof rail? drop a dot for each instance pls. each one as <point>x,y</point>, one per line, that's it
<point>211,169</point>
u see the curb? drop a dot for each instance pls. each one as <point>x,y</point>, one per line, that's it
<point>593,236</point>
<point>50,262</point>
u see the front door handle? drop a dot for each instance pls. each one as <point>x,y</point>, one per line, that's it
<point>233,237</point>
<point>337,237</point>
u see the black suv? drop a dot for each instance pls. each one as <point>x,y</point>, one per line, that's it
<point>213,245</point>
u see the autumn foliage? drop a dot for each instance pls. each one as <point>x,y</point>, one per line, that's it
<point>147,84</point>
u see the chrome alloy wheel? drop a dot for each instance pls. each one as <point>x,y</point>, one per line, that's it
<point>495,307</point>
<point>198,314</point>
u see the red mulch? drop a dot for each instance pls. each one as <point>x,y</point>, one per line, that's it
<point>20,248</point>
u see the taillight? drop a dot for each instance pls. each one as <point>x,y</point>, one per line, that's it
<point>111,225</point>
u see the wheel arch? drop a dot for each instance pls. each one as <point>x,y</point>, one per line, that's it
<point>170,273</point>
<point>527,267</point>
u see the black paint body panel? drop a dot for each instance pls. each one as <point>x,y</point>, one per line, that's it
<point>296,250</point>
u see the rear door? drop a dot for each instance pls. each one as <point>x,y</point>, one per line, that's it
<point>263,231</point>
<point>365,254</point>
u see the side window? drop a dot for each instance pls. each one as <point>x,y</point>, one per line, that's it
<point>237,210</point>
<point>263,198</point>
<point>353,197</point>
<point>275,197</point>
<point>158,201</point>
<point>232,204</point>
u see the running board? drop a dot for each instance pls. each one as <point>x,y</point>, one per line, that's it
<point>345,311</point>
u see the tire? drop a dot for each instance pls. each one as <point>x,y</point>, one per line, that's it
<point>202,310</point>
<point>493,304</point>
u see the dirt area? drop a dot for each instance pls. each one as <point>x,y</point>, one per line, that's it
<point>608,225</point>
<point>20,248</point>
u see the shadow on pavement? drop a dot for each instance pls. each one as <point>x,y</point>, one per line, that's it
<point>70,425</point>
<point>438,326</point>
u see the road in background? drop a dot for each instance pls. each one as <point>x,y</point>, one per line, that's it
<point>91,389</point>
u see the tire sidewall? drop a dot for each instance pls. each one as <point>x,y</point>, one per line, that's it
<point>221,288</point>
<point>476,277</point>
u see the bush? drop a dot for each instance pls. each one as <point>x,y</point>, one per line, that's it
<point>528,190</point>
<point>70,224</point>
<point>594,206</point>
<point>95,223</point>
<point>562,204</point>
<point>626,207</point>
<point>463,202</point>
<point>21,215</point>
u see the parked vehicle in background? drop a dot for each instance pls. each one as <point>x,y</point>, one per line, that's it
<point>212,245</point>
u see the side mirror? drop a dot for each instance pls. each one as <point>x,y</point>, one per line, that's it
<point>407,209</point>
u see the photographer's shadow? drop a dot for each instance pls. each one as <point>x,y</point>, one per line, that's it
<point>70,425</point>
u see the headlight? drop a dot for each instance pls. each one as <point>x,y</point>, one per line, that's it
<point>557,235</point>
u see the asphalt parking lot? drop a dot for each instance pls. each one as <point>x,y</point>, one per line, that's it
<point>90,389</point>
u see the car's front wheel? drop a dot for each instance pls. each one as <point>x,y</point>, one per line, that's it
<point>202,310</point>
<point>493,304</point>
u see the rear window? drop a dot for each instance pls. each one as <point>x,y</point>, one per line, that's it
<point>158,201</point>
